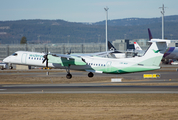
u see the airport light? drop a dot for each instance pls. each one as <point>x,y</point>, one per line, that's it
<point>106,9</point>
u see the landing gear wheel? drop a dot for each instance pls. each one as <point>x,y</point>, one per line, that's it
<point>90,74</point>
<point>10,67</point>
<point>68,76</point>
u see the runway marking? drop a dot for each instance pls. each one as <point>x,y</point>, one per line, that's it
<point>141,84</point>
<point>2,89</point>
<point>94,92</point>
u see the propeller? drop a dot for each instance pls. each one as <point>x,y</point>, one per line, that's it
<point>46,58</point>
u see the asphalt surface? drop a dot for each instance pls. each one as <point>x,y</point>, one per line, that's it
<point>167,76</point>
<point>86,88</point>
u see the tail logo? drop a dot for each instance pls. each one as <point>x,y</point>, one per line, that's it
<point>156,51</point>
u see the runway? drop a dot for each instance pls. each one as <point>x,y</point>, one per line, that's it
<point>86,88</point>
<point>168,81</point>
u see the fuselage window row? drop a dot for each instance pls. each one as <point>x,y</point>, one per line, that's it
<point>35,58</point>
<point>88,63</point>
<point>96,64</point>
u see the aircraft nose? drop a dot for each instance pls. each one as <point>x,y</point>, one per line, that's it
<point>5,60</point>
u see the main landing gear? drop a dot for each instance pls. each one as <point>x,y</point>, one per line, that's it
<point>90,74</point>
<point>68,76</point>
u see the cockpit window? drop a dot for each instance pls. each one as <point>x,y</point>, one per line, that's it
<point>14,54</point>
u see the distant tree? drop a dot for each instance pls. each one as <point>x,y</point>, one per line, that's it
<point>23,40</point>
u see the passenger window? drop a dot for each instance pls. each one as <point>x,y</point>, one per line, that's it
<point>29,58</point>
<point>32,58</point>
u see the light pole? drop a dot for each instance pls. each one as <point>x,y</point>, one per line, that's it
<point>171,36</point>
<point>162,12</point>
<point>106,9</point>
<point>68,42</point>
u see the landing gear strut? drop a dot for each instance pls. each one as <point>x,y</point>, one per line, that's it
<point>90,74</point>
<point>10,66</point>
<point>68,76</point>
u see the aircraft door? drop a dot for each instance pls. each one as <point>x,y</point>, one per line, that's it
<point>23,59</point>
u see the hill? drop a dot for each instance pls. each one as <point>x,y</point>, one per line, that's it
<point>60,31</point>
<point>138,21</point>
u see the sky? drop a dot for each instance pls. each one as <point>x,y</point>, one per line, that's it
<point>84,10</point>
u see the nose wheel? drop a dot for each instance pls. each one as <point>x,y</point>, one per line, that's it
<point>10,67</point>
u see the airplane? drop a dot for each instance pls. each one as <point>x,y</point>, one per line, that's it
<point>137,46</point>
<point>171,52</point>
<point>150,61</point>
<point>91,64</point>
<point>115,53</point>
<point>121,54</point>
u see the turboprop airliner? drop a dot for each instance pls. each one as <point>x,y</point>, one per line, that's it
<point>150,61</point>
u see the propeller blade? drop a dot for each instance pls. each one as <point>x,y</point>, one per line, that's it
<point>47,63</point>
<point>44,60</point>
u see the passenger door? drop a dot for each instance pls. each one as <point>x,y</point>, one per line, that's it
<point>23,60</point>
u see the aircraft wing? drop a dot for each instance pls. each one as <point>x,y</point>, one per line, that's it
<point>99,54</point>
<point>65,60</point>
<point>68,57</point>
<point>73,59</point>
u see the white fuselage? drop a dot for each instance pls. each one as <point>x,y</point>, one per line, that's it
<point>171,53</point>
<point>27,58</point>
